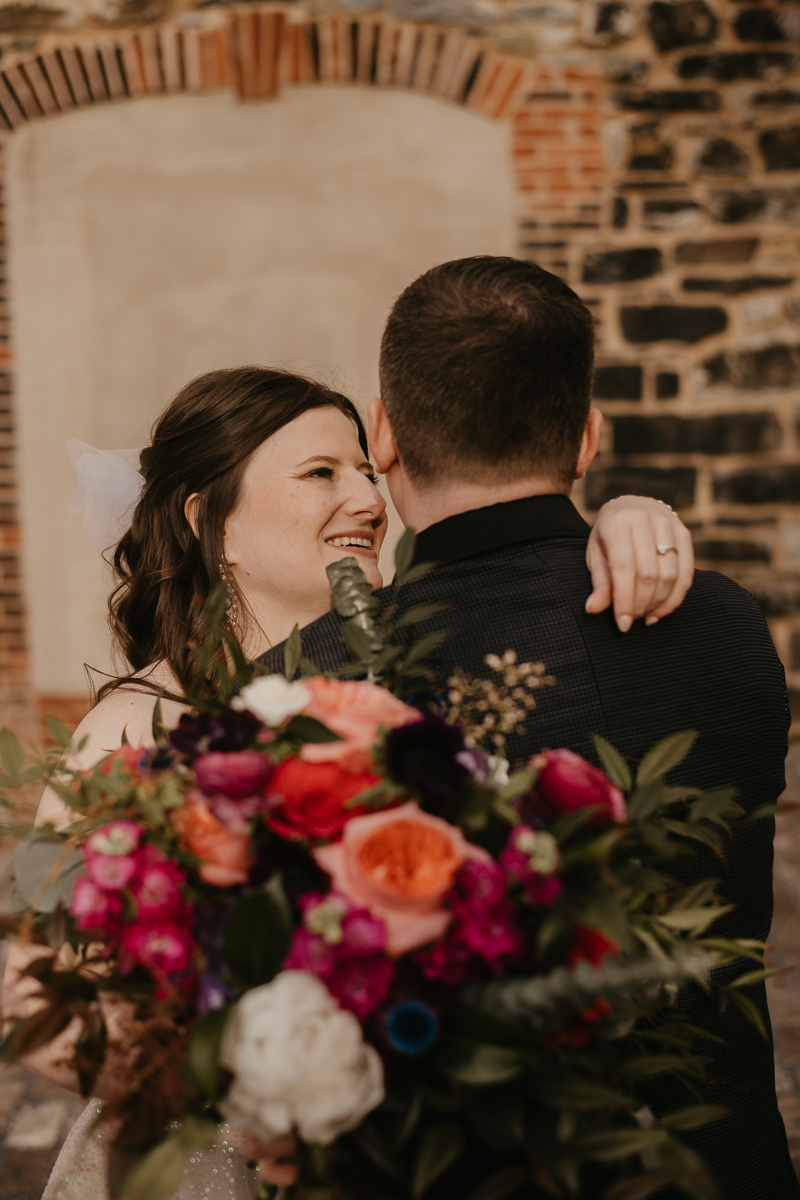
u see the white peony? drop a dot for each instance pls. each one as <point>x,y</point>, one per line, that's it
<point>298,1061</point>
<point>272,698</point>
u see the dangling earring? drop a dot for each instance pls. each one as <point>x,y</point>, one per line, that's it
<point>233,594</point>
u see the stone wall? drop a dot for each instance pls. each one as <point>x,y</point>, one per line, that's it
<point>656,150</point>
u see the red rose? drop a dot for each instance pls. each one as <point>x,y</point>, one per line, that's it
<point>568,782</point>
<point>589,945</point>
<point>313,796</point>
<point>237,774</point>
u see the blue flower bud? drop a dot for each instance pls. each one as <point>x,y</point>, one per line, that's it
<point>411,1027</point>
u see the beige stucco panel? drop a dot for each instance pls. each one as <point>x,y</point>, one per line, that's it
<point>154,239</point>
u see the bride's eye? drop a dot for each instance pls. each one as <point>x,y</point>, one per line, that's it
<point>320,473</point>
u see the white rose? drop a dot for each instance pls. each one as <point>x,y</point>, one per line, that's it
<point>298,1061</point>
<point>272,698</point>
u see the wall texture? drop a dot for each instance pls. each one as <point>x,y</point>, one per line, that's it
<point>656,155</point>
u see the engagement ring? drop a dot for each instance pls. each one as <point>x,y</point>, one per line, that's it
<point>663,548</point>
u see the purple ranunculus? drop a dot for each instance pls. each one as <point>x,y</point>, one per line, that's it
<point>214,731</point>
<point>237,774</point>
<point>423,757</point>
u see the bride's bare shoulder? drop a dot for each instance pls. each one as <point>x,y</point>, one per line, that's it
<point>128,707</point>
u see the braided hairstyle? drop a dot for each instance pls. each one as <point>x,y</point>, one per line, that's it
<point>201,443</point>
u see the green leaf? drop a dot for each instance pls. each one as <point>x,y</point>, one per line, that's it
<point>204,1049</point>
<point>695,919</point>
<point>576,1091</point>
<point>502,1183</point>
<point>404,555</point>
<point>257,935</point>
<point>292,653</point>
<point>613,1145</point>
<point>10,754</point>
<point>440,1146</point>
<point>664,756</point>
<point>614,764</point>
<point>358,641</point>
<point>478,1063</point>
<point>419,613</point>
<point>59,732</point>
<point>693,1117</point>
<point>125,740</point>
<point>657,1064</point>
<point>309,729</point>
<point>159,731</point>
<point>161,1171</point>
<point>45,872</point>
<point>749,1010</point>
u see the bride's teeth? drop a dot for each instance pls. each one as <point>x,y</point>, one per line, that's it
<point>338,542</point>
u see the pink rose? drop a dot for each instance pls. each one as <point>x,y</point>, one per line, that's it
<point>568,782</point>
<point>109,854</point>
<point>93,907</point>
<point>165,948</point>
<point>159,886</point>
<point>400,864</point>
<point>356,711</point>
<point>235,775</point>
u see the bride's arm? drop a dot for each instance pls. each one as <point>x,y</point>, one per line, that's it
<point>627,567</point>
<point>122,709</point>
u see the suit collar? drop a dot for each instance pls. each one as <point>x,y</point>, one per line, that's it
<point>481,530</point>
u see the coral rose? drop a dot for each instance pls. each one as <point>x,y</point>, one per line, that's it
<point>310,798</point>
<point>356,711</point>
<point>568,782</point>
<point>400,864</point>
<point>226,857</point>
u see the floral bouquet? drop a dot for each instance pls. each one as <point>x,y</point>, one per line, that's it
<point>318,907</point>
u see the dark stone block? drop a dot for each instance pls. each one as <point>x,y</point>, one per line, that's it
<point>730,250</point>
<point>674,485</point>
<point>734,551</point>
<point>667,385</point>
<point>671,101</point>
<point>620,215</point>
<point>780,99</point>
<point>618,383</point>
<point>760,25</point>
<point>725,433</point>
<point>619,266</point>
<point>614,22</point>
<point>625,70</point>
<point>721,156</point>
<point>683,23</point>
<point>777,484</point>
<point>671,322</point>
<point>649,151</point>
<point>730,207</point>
<point>781,148</point>
<point>775,366</point>
<point>748,64</point>
<point>735,287</point>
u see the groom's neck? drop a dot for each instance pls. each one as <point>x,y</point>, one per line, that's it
<point>421,507</point>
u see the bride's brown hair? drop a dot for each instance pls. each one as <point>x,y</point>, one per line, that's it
<point>201,443</point>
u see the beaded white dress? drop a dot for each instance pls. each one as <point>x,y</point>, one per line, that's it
<point>218,1173</point>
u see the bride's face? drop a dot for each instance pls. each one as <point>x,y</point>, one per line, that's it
<point>308,499</point>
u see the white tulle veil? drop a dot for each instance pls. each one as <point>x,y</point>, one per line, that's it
<point>109,487</point>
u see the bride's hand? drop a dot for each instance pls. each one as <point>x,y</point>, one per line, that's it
<point>626,566</point>
<point>275,1159</point>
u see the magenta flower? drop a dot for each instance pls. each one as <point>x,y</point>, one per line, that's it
<point>449,961</point>
<point>362,933</point>
<point>310,953</point>
<point>165,948</point>
<point>113,874</point>
<point>93,907</point>
<point>235,775</point>
<point>532,858</point>
<point>483,932</point>
<point>109,854</point>
<point>568,782</point>
<point>361,984</point>
<point>158,887</point>
<point>478,886</point>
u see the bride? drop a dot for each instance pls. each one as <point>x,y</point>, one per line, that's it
<point>262,479</point>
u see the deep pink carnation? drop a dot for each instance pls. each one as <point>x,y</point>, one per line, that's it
<point>478,886</point>
<point>542,890</point>
<point>448,961</point>
<point>483,932</point>
<point>309,952</point>
<point>158,887</point>
<point>165,948</point>
<point>113,874</point>
<point>93,907</point>
<point>361,984</point>
<point>235,775</point>
<point>109,854</point>
<point>495,938</point>
<point>568,782</point>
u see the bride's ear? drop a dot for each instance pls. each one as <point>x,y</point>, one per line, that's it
<point>381,437</point>
<point>190,511</point>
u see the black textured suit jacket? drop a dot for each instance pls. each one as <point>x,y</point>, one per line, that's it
<point>516,577</point>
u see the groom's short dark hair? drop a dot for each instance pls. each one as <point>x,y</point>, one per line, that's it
<point>486,372</point>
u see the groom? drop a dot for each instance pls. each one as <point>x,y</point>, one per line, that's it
<point>483,424</point>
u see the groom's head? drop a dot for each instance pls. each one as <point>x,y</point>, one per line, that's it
<point>486,374</point>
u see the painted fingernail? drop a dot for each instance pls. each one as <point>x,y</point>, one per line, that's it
<point>624,624</point>
<point>651,621</point>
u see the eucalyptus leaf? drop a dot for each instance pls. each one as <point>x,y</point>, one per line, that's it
<point>426,646</point>
<point>351,590</point>
<point>257,935</point>
<point>59,732</point>
<point>159,731</point>
<point>161,1171</point>
<point>501,1183</point>
<point>419,613</point>
<point>664,756</point>
<point>404,554</point>
<point>478,1063</point>
<point>204,1049</point>
<point>750,1010</point>
<point>440,1146</point>
<point>10,754</point>
<point>693,1117</point>
<point>614,764</point>
<point>292,653</point>
<point>614,1145</point>
<point>45,872</point>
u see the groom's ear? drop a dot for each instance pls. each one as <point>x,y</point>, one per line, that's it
<point>590,442</point>
<point>381,437</point>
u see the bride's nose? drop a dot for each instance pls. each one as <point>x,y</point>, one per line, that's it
<point>365,500</point>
